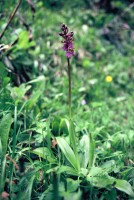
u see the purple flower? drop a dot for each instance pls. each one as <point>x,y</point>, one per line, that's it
<point>67,40</point>
<point>83,102</point>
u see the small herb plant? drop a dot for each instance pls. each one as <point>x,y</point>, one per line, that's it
<point>44,153</point>
<point>78,156</point>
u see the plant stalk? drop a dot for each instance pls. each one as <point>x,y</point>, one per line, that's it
<point>13,147</point>
<point>69,88</point>
<point>10,19</point>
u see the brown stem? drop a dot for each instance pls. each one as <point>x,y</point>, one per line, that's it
<point>15,164</point>
<point>10,18</point>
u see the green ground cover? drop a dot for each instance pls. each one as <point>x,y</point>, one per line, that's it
<point>45,154</point>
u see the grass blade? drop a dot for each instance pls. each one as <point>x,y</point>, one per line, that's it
<point>4,131</point>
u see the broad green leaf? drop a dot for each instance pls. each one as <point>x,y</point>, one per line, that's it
<point>101,181</point>
<point>55,126</point>
<point>2,173</point>
<point>3,71</point>
<point>4,131</point>
<point>84,151</point>
<point>73,141</point>
<point>83,172</point>
<point>63,169</point>
<point>44,152</point>
<point>96,171</point>
<point>108,166</point>
<point>34,97</point>
<point>73,195</point>
<point>68,170</point>
<point>38,79</point>
<point>23,42</point>
<point>99,178</point>
<point>18,92</point>
<point>64,126</point>
<point>72,185</point>
<point>68,152</point>
<point>91,151</point>
<point>67,127</point>
<point>124,186</point>
<point>25,187</point>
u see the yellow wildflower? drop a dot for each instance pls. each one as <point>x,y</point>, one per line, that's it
<point>108,79</point>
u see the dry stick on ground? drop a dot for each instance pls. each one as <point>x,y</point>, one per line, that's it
<point>13,161</point>
<point>31,5</point>
<point>10,18</point>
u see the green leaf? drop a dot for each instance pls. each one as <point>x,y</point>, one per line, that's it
<point>124,186</point>
<point>64,126</point>
<point>3,72</point>
<point>84,148</point>
<point>26,186</point>
<point>18,92</point>
<point>55,126</point>
<point>108,166</point>
<point>38,79</point>
<point>68,170</point>
<point>87,146</point>
<point>72,136</point>
<point>4,131</point>
<point>72,185</point>
<point>101,181</point>
<point>63,169</point>
<point>99,178</point>
<point>91,151</point>
<point>44,152</point>
<point>67,127</point>
<point>68,152</point>
<point>23,42</point>
<point>34,98</point>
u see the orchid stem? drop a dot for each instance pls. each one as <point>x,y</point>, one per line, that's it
<point>69,88</point>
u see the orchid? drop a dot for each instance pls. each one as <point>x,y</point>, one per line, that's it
<point>68,41</point>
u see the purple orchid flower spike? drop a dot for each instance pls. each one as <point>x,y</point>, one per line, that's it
<point>68,41</point>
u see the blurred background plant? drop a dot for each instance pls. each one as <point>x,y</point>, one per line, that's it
<point>33,88</point>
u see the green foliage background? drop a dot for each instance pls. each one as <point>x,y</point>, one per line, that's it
<point>33,80</point>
